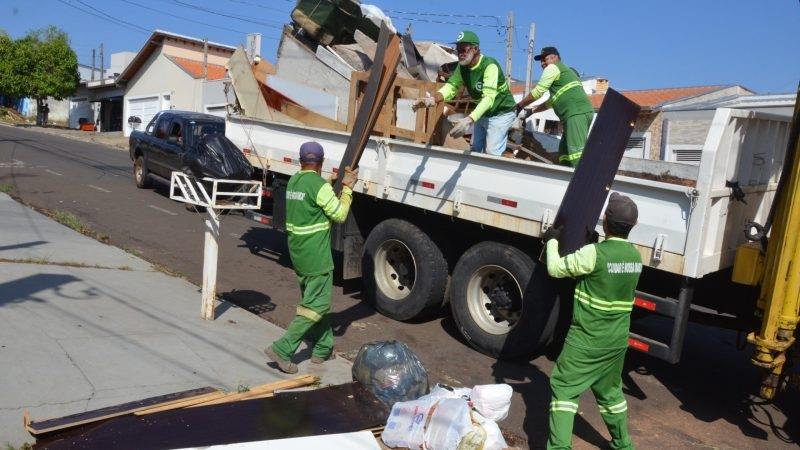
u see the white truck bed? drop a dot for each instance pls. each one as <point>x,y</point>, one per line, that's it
<point>690,231</point>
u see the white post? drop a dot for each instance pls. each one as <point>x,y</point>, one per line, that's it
<point>529,71</point>
<point>210,252</point>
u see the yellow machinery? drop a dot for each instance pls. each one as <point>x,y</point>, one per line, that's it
<point>774,264</point>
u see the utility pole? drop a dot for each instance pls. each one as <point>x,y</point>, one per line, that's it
<point>531,36</point>
<point>94,62</point>
<point>509,44</point>
<point>205,58</point>
<point>102,65</point>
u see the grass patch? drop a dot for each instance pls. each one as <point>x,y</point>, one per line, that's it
<point>47,262</point>
<point>68,219</point>
<point>167,271</point>
<point>6,188</point>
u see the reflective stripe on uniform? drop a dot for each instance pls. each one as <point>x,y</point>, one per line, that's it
<point>565,88</point>
<point>603,305</point>
<point>308,229</point>
<point>619,408</point>
<point>570,157</point>
<point>308,314</point>
<point>557,405</point>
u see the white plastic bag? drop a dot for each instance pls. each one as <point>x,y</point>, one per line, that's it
<point>492,400</point>
<point>494,437</point>
<point>441,391</point>
<point>406,424</point>
<point>450,422</point>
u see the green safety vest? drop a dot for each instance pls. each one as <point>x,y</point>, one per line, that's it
<point>567,95</point>
<point>603,302</point>
<point>308,227</point>
<point>473,80</point>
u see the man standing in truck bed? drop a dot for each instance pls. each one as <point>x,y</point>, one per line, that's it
<point>597,340</point>
<point>494,114</point>
<point>311,207</point>
<point>568,100</point>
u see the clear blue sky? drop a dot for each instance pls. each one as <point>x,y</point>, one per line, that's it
<point>636,44</point>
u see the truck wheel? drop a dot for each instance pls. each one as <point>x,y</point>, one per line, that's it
<point>404,272</point>
<point>140,173</point>
<point>500,305</point>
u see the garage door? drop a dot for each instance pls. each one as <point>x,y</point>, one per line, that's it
<point>144,108</point>
<point>79,108</point>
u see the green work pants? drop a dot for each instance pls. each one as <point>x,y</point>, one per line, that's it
<point>576,370</point>
<point>312,319</point>
<point>573,139</point>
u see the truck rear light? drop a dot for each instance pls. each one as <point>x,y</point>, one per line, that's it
<point>428,184</point>
<point>247,151</point>
<point>286,159</point>
<point>638,345</point>
<point>506,202</point>
<point>642,303</point>
<point>266,193</point>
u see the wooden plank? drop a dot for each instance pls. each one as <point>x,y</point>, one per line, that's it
<point>311,118</point>
<point>263,390</point>
<point>246,86</point>
<point>402,132</point>
<point>181,403</point>
<point>337,409</point>
<point>47,426</point>
<point>586,193</point>
<point>353,105</point>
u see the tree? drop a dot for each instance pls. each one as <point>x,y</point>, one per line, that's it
<point>39,65</point>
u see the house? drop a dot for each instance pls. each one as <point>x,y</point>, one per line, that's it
<point>649,139</point>
<point>174,71</point>
<point>98,98</point>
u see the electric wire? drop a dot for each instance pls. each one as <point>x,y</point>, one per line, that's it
<point>120,22</point>
<point>222,14</point>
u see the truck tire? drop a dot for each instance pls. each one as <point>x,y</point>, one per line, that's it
<point>140,173</point>
<point>502,304</point>
<point>404,272</point>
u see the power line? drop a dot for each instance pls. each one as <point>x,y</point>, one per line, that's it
<point>243,2</point>
<point>222,14</point>
<point>469,16</point>
<point>113,20</point>
<point>186,18</point>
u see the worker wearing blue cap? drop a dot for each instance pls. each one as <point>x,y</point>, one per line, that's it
<point>495,113</point>
<point>311,207</point>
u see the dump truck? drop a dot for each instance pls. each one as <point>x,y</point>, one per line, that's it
<point>434,227</point>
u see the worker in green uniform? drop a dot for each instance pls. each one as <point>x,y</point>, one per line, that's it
<point>311,207</point>
<point>568,100</point>
<point>494,114</point>
<point>597,340</point>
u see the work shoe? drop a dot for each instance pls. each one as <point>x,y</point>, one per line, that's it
<point>283,365</point>
<point>320,360</point>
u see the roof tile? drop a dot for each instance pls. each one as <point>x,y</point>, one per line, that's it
<point>649,98</point>
<point>195,68</point>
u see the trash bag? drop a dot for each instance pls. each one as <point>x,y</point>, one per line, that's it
<point>492,400</point>
<point>406,424</point>
<point>216,156</point>
<point>391,371</point>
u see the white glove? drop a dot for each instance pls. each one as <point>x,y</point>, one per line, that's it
<point>423,102</point>
<point>461,127</point>
<point>523,113</point>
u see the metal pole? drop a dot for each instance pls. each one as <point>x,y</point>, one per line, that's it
<point>509,44</point>
<point>205,59</point>
<point>210,252</point>
<point>94,63</point>
<point>529,72</point>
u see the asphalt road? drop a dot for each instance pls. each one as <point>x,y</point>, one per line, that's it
<point>703,402</point>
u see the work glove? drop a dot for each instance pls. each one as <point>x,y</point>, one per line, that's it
<point>461,127</point>
<point>350,177</point>
<point>423,102</point>
<point>552,233</point>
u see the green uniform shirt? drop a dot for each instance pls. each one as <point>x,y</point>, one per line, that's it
<point>311,206</point>
<point>567,97</point>
<point>607,274</point>
<point>485,83</point>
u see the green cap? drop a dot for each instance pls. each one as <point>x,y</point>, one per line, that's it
<point>467,37</point>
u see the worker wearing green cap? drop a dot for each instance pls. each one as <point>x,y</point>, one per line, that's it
<point>568,100</point>
<point>494,114</point>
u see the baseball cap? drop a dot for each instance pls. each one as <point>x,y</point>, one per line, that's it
<point>621,210</point>
<point>467,37</point>
<point>546,51</point>
<point>311,152</point>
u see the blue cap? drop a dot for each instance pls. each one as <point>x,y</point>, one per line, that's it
<point>311,152</point>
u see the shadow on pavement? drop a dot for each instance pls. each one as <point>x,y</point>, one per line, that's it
<point>23,289</point>
<point>22,245</point>
<point>253,301</point>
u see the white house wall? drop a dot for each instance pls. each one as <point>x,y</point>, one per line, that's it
<point>161,77</point>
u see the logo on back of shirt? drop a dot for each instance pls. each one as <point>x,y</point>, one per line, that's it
<point>623,267</point>
<point>479,86</point>
<point>295,195</point>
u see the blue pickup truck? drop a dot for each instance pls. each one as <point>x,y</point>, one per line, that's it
<point>162,146</point>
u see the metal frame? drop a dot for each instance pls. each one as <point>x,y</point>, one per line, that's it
<point>186,189</point>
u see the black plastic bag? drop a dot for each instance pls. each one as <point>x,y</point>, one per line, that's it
<point>216,156</point>
<point>391,371</point>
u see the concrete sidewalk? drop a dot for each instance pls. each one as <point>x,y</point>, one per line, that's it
<point>75,338</point>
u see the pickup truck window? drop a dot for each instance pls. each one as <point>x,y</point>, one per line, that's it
<point>175,130</point>
<point>161,128</point>
<point>199,130</point>
<point>150,127</point>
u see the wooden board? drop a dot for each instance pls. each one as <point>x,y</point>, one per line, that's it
<point>587,191</point>
<point>337,409</point>
<point>47,426</point>
<point>277,101</point>
<point>246,86</point>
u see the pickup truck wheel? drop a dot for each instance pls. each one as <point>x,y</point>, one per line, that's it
<point>501,304</point>
<point>404,272</point>
<point>140,173</point>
